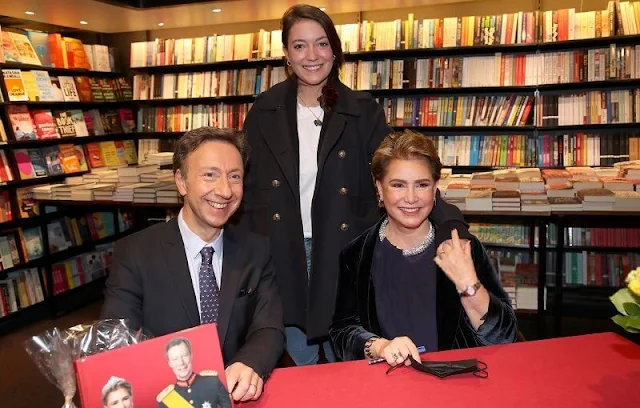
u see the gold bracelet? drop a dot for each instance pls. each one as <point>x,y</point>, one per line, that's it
<point>367,347</point>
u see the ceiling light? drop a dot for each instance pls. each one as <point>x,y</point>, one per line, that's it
<point>216,10</point>
<point>83,22</point>
<point>160,24</point>
<point>30,13</point>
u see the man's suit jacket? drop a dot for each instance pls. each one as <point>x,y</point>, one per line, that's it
<point>150,285</point>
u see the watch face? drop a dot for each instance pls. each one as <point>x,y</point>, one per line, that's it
<point>471,290</point>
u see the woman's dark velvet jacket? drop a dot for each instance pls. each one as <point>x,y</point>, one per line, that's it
<point>355,319</point>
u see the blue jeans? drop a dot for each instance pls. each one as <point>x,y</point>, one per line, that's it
<point>302,353</point>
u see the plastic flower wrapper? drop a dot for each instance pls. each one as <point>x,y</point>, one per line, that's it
<point>54,350</point>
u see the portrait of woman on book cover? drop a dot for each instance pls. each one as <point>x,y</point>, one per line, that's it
<point>202,390</point>
<point>117,393</point>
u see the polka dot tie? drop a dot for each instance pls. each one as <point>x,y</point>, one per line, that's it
<point>209,291</point>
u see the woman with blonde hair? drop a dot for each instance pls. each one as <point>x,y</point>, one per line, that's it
<point>397,290</point>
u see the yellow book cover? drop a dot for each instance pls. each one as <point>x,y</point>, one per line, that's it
<point>109,153</point>
<point>130,151</point>
<point>30,85</point>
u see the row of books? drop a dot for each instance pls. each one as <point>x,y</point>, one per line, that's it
<point>53,50</point>
<point>40,124</point>
<point>82,269</point>
<point>67,159</point>
<point>552,150</point>
<point>500,69</point>
<point>19,290</point>
<point>183,118</point>
<point>72,231</point>
<point>512,28</point>
<point>251,81</point>
<point>582,108</point>
<point>39,86</point>
<point>598,269</point>
<point>571,189</point>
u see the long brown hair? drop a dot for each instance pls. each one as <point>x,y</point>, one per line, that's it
<point>299,12</point>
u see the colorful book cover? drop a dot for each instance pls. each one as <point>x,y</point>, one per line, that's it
<point>27,202</point>
<point>84,89</point>
<point>53,159</point>
<point>14,85</point>
<point>32,245</point>
<point>9,48</point>
<point>57,90</point>
<point>76,56</point>
<point>187,367</point>
<point>79,123</point>
<point>26,53</point>
<point>126,120</point>
<point>21,122</point>
<point>68,87</point>
<point>82,161</point>
<point>30,85</point>
<point>25,168</point>
<point>40,42</point>
<point>69,159</point>
<point>65,124</point>
<point>43,81</point>
<point>96,90</point>
<point>45,125</point>
<point>130,154</point>
<point>94,155</point>
<point>37,161</point>
<point>110,153</point>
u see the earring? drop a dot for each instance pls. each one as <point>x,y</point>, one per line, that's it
<point>288,63</point>
<point>334,56</point>
<point>434,200</point>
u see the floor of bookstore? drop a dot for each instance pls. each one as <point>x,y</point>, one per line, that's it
<point>22,385</point>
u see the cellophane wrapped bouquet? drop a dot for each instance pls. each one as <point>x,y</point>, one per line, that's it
<point>54,350</point>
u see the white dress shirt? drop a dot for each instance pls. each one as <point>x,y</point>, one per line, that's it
<point>193,244</point>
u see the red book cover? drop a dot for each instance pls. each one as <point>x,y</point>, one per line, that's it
<point>182,369</point>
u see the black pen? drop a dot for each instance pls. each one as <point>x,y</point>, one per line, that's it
<point>421,349</point>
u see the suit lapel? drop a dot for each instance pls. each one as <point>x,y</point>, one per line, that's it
<point>178,268</point>
<point>233,272</point>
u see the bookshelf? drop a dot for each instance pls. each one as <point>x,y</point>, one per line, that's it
<point>596,62</point>
<point>41,153</point>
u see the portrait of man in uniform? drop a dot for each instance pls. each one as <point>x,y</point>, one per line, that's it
<point>202,390</point>
<point>117,393</point>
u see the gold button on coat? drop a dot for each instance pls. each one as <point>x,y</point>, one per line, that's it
<point>342,154</point>
<point>275,183</point>
<point>344,226</point>
<point>344,191</point>
<point>276,217</point>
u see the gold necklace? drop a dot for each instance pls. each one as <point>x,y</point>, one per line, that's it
<point>317,121</point>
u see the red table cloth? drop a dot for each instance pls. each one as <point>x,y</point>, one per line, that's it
<point>596,370</point>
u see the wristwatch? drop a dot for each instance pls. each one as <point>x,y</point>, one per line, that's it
<point>471,290</point>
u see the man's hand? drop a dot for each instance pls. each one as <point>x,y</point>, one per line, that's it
<point>243,383</point>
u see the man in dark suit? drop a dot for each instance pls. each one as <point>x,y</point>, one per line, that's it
<point>196,390</point>
<point>195,269</point>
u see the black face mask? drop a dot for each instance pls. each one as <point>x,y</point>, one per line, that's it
<point>444,369</point>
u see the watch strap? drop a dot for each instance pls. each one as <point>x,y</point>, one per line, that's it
<point>471,290</point>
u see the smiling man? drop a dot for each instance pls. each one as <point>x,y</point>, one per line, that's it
<point>195,269</point>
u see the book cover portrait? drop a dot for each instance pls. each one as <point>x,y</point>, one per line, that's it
<point>181,370</point>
